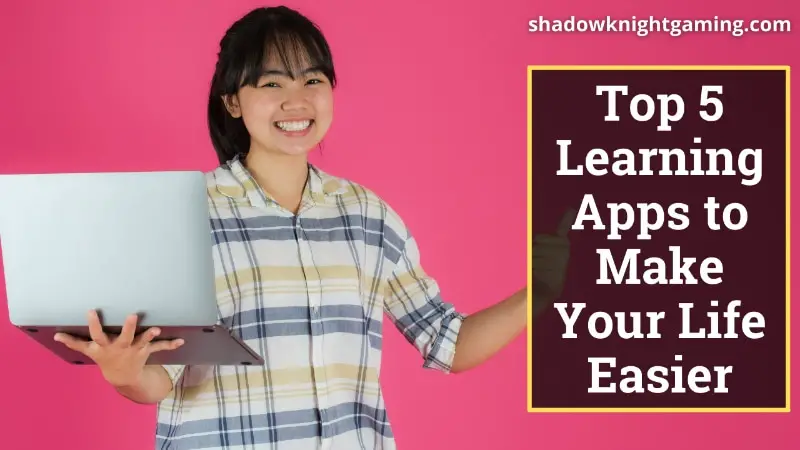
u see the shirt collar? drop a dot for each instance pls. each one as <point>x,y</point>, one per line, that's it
<point>320,187</point>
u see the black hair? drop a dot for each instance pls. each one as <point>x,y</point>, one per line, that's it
<point>252,41</point>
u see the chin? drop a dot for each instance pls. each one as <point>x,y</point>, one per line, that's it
<point>296,149</point>
<point>297,152</point>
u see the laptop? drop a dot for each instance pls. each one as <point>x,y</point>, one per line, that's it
<point>120,243</point>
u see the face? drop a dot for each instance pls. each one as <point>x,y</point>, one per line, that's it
<point>283,115</point>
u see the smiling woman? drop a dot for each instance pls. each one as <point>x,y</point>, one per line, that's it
<point>277,75</point>
<point>307,265</point>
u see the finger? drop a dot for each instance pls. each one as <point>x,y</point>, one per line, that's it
<point>147,337</point>
<point>550,240</point>
<point>96,330</point>
<point>555,263</point>
<point>550,261</point>
<point>566,222</point>
<point>164,345</point>
<point>72,343</point>
<point>554,248</point>
<point>128,330</point>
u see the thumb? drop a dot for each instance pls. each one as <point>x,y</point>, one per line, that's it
<point>72,343</point>
<point>567,220</point>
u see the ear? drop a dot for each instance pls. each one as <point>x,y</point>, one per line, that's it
<point>232,105</point>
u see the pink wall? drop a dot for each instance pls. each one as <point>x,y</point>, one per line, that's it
<point>436,92</point>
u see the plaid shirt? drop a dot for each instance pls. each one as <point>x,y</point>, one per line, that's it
<point>308,293</point>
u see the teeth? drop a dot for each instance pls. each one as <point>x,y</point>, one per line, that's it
<point>294,126</point>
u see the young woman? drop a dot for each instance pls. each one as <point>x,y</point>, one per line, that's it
<point>307,265</point>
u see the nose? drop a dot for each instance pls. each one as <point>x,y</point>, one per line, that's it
<point>296,99</point>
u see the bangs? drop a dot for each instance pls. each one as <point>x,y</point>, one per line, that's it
<point>291,49</point>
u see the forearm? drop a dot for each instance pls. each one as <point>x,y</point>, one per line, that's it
<point>153,387</point>
<point>486,332</point>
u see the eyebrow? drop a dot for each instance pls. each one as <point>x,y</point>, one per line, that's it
<point>266,72</point>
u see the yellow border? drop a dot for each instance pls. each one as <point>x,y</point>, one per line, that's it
<point>787,408</point>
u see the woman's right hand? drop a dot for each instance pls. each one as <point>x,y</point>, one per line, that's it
<point>121,360</point>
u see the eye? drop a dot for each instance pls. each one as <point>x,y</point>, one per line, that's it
<point>270,84</point>
<point>315,81</point>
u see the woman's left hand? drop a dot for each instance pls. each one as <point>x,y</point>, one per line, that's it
<point>550,254</point>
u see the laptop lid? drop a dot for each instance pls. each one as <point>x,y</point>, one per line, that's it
<point>121,243</point>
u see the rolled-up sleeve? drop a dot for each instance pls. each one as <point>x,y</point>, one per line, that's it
<point>415,306</point>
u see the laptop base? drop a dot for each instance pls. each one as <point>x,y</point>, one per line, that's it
<point>203,345</point>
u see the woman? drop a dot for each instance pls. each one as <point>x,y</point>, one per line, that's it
<point>307,265</point>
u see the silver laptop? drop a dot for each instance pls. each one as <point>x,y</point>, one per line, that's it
<point>119,243</point>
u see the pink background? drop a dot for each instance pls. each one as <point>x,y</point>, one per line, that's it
<point>435,92</point>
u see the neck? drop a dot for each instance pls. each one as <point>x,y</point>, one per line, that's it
<point>282,177</point>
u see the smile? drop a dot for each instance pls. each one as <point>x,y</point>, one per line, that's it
<point>294,125</point>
